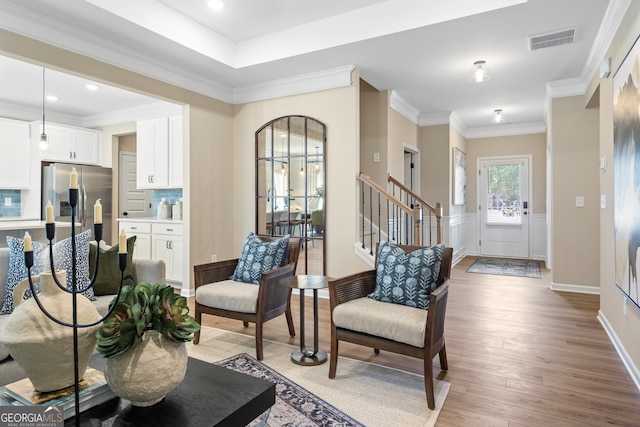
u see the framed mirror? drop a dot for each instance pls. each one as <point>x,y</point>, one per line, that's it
<point>290,185</point>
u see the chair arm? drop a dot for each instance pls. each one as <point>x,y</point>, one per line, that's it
<point>272,294</point>
<point>213,272</point>
<point>351,287</point>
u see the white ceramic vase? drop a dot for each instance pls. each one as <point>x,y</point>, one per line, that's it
<point>43,348</point>
<point>147,373</point>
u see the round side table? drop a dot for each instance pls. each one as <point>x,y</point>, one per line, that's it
<point>304,356</point>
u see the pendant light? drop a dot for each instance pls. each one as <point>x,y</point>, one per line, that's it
<point>43,145</point>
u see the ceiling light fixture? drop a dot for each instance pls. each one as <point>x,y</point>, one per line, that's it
<point>216,4</point>
<point>91,87</point>
<point>498,118</point>
<point>52,98</point>
<point>43,145</point>
<point>480,72</point>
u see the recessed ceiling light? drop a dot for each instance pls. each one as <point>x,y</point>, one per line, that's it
<point>91,86</point>
<point>52,98</point>
<point>215,4</point>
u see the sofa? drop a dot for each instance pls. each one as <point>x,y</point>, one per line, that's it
<point>152,271</point>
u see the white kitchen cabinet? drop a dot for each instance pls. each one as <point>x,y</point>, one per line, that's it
<point>142,231</point>
<point>14,169</point>
<point>70,144</point>
<point>167,242</point>
<point>159,149</point>
<point>175,151</point>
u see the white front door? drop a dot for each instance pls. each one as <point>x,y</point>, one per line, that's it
<point>504,206</point>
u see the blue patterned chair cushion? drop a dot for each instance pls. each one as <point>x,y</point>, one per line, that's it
<point>407,279</point>
<point>258,256</point>
<point>41,262</point>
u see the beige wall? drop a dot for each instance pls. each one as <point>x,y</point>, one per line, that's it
<point>624,326</point>
<point>402,131</point>
<point>339,110</point>
<point>534,144</point>
<point>373,132</point>
<point>433,142</point>
<point>575,173</point>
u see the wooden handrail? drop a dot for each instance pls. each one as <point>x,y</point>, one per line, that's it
<point>436,210</point>
<point>390,196</point>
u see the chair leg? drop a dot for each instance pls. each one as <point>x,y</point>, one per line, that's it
<point>287,313</point>
<point>198,317</point>
<point>443,358</point>
<point>333,357</point>
<point>428,382</point>
<point>259,352</point>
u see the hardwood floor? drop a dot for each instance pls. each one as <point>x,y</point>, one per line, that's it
<point>519,354</point>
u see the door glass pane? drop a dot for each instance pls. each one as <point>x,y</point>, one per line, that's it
<point>503,194</point>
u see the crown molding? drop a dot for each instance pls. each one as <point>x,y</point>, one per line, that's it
<point>157,109</point>
<point>458,124</point>
<point>434,119</point>
<point>305,83</point>
<point>506,130</point>
<point>29,114</point>
<point>403,107</point>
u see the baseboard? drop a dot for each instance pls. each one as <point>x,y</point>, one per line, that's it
<point>580,289</point>
<point>631,367</point>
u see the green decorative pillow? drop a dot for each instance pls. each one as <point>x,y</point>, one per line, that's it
<point>258,256</point>
<point>108,279</point>
<point>407,279</point>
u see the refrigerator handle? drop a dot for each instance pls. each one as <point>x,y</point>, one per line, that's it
<point>83,207</point>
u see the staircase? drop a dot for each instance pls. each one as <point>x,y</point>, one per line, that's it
<point>397,215</point>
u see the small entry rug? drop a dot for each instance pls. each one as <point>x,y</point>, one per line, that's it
<point>506,267</point>
<point>295,405</point>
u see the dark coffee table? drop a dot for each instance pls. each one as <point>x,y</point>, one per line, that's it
<point>209,395</point>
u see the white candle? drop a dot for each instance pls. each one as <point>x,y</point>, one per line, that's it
<point>27,242</point>
<point>74,179</point>
<point>97,212</point>
<point>123,242</point>
<point>49,212</point>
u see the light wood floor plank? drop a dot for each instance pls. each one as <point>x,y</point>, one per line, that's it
<point>519,355</point>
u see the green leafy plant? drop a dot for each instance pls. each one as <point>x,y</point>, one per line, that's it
<point>142,308</point>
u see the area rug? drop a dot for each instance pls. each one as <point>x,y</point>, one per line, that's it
<point>370,394</point>
<point>295,405</point>
<point>506,267</point>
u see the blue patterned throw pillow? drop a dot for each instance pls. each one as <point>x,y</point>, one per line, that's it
<point>41,263</point>
<point>407,279</point>
<point>258,256</point>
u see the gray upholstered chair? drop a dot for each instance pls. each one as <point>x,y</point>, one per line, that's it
<point>391,327</point>
<point>217,295</point>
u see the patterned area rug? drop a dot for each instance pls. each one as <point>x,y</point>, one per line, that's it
<point>506,267</point>
<point>368,393</point>
<point>295,405</point>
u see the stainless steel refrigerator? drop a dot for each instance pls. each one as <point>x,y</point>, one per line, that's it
<point>94,183</point>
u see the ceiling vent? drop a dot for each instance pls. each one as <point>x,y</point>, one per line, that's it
<point>552,39</point>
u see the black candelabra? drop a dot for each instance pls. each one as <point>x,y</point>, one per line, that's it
<point>122,263</point>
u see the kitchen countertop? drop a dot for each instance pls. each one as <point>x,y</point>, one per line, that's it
<point>151,219</point>
<point>25,224</point>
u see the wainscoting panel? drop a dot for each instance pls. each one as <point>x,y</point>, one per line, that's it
<point>538,236</point>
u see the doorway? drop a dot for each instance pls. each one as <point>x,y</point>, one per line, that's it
<point>504,187</point>
<point>411,169</point>
<point>133,203</point>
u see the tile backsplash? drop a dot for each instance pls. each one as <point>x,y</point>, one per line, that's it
<point>10,203</point>
<point>170,196</point>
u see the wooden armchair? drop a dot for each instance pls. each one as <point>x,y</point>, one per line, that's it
<point>256,303</point>
<point>354,289</point>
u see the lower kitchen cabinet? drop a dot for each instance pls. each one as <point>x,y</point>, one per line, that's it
<point>159,240</point>
<point>167,246</point>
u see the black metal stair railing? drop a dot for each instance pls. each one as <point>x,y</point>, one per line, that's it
<point>399,216</point>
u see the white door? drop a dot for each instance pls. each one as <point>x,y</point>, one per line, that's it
<point>504,206</point>
<point>133,203</point>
